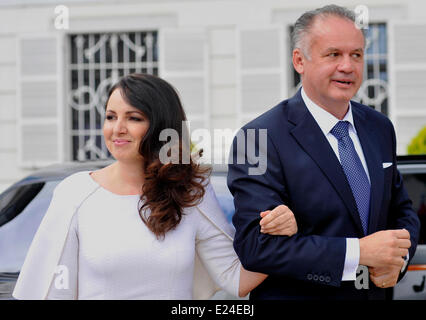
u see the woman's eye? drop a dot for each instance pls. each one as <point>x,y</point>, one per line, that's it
<point>135,119</point>
<point>109,117</point>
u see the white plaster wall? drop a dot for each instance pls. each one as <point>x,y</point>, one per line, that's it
<point>221,20</point>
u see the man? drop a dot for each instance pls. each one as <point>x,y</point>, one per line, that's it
<point>332,161</point>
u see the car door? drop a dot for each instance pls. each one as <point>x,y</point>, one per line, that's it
<point>21,210</point>
<point>413,285</point>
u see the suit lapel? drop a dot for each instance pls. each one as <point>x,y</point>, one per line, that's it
<point>366,134</point>
<point>310,137</point>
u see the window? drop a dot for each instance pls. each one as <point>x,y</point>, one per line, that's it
<point>13,202</point>
<point>21,211</point>
<point>374,89</point>
<point>416,187</point>
<point>97,61</point>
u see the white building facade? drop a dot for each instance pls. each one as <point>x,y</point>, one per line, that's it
<point>229,60</point>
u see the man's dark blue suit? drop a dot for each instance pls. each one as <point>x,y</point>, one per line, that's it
<point>304,173</point>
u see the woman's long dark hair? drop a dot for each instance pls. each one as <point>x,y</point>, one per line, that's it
<point>168,187</point>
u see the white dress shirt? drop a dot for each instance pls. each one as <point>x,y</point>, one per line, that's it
<point>326,122</point>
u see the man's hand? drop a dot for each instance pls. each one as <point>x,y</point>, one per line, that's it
<point>384,248</point>
<point>384,277</point>
<point>280,221</point>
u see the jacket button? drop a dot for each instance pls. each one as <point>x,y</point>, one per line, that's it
<point>327,279</point>
<point>321,278</point>
<point>315,278</point>
<point>309,276</point>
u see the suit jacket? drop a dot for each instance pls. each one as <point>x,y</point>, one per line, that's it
<point>304,173</point>
<point>38,270</point>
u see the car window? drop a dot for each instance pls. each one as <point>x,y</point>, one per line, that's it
<point>22,211</point>
<point>415,185</point>
<point>223,195</point>
<point>14,201</point>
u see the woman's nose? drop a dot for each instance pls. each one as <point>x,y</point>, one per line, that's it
<point>120,126</point>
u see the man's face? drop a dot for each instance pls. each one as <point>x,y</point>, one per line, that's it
<point>333,74</point>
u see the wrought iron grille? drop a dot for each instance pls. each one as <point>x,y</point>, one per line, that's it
<point>97,61</point>
<point>374,89</point>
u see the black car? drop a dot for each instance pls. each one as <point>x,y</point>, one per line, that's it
<point>23,205</point>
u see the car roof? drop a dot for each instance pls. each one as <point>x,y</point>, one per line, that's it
<point>62,170</point>
<point>406,164</point>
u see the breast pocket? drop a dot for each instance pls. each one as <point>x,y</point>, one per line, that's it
<point>388,168</point>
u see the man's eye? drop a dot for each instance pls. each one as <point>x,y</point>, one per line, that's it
<point>356,55</point>
<point>333,54</point>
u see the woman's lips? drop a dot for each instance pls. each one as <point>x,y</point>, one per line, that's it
<point>121,142</point>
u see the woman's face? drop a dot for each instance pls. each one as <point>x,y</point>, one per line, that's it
<point>124,128</point>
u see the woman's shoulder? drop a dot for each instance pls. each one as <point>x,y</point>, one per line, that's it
<point>76,178</point>
<point>75,185</point>
<point>102,173</point>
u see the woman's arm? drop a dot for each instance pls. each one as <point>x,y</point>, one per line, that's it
<point>214,246</point>
<point>249,280</point>
<point>65,282</point>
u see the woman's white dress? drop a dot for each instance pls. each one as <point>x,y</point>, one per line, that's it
<point>109,253</point>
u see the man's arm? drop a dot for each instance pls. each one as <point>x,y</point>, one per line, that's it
<point>300,257</point>
<point>401,216</point>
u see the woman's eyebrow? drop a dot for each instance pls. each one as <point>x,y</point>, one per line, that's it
<point>127,112</point>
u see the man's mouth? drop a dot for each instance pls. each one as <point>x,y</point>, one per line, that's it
<point>343,83</point>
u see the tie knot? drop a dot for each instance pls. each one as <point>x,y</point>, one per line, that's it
<point>340,130</point>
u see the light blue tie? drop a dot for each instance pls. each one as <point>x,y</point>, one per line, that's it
<point>354,171</point>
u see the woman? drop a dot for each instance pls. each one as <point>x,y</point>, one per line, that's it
<point>139,228</point>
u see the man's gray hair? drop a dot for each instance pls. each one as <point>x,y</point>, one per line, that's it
<point>304,23</point>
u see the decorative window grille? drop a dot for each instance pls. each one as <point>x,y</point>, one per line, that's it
<point>374,89</point>
<point>97,61</point>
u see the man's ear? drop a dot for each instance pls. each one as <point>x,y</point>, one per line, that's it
<point>298,60</point>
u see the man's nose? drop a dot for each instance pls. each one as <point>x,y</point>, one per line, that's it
<point>346,64</point>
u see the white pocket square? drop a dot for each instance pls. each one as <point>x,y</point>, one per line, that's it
<point>386,164</point>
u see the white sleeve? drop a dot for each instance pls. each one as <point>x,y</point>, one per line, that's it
<point>65,282</point>
<point>351,259</point>
<point>215,248</point>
